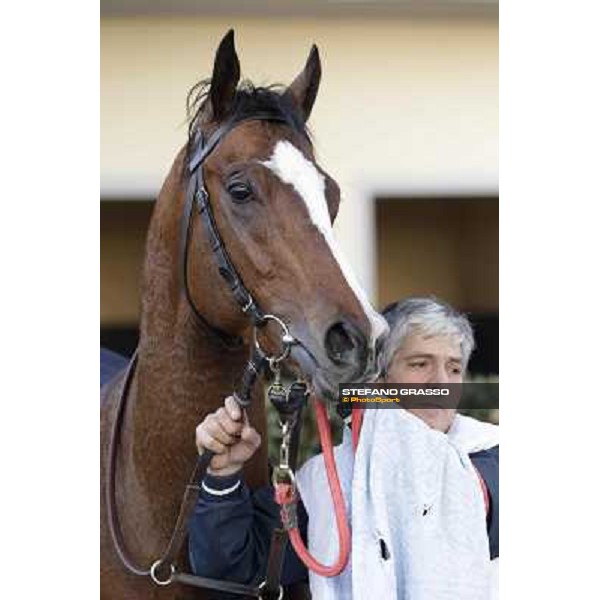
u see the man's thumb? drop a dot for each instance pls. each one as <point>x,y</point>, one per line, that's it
<point>250,435</point>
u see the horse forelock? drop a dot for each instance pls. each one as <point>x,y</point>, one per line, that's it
<point>249,100</point>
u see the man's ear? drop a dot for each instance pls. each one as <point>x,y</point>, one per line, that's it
<point>303,91</point>
<point>225,78</point>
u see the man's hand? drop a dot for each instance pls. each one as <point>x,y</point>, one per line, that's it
<point>229,435</point>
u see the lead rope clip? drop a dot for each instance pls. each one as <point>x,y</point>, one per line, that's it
<point>284,481</point>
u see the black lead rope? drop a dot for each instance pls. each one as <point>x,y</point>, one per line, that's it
<point>163,571</point>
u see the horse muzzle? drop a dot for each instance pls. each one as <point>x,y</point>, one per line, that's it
<point>345,356</point>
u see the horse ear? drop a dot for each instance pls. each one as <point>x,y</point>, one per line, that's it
<point>303,90</point>
<point>225,77</point>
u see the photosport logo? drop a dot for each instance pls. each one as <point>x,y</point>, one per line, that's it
<point>434,396</point>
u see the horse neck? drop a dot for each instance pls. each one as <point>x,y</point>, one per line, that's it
<point>178,354</point>
<point>184,372</point>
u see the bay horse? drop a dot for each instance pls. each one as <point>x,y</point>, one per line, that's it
<point>274,208</point>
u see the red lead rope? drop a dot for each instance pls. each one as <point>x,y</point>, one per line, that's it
<point>286,500</point>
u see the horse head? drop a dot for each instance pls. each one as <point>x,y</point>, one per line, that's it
<point>274,207</point>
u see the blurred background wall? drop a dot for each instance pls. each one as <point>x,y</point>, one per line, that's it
<point>406,120</point>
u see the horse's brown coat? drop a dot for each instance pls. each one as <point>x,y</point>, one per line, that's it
<point>183,370</point>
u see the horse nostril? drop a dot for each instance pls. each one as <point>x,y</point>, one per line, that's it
<point>338,342</point>
<point>344,344</point>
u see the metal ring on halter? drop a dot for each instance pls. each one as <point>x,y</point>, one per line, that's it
<point>156,580</point>
<point>287,339</point>
<point>262,585</point>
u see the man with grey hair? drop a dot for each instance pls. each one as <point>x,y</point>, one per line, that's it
<point>429,342</point>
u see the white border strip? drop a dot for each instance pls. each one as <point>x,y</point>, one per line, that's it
<point>223,492</point>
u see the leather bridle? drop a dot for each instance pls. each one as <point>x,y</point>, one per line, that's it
<point>197,195</point>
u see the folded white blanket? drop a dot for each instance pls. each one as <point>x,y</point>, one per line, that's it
<point>413,496</point>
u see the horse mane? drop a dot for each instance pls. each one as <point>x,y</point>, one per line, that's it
<point>249,100</point>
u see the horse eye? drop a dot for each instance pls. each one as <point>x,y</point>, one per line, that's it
<point>239,191</point>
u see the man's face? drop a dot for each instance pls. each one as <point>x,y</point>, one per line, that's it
<point>428,359</point>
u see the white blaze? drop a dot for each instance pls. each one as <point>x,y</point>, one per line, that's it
<point>290,165</point>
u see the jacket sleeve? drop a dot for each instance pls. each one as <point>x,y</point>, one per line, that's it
<point>487,462</point>
<point>230,532</point>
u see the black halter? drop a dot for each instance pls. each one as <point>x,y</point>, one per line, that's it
<point>198,195</point>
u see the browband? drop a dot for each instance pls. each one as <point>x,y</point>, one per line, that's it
<point>201,151</point>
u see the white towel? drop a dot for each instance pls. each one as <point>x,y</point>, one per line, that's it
<point>414,491</point>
